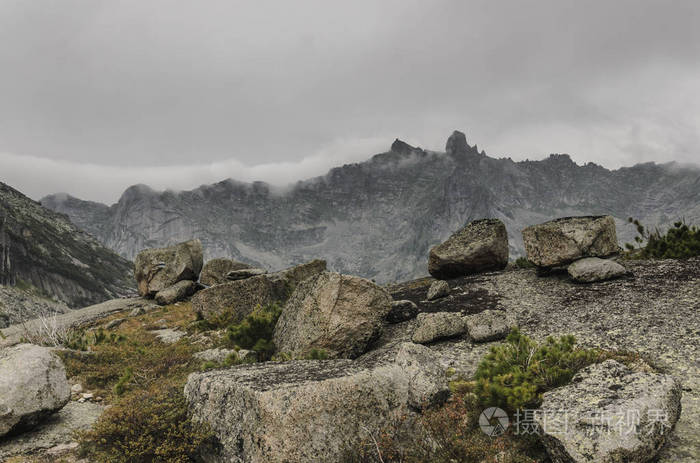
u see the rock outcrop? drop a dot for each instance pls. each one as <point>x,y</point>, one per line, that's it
<point>609,414</point>
<point>177,292</point>
<point>562,241</point>
<point>242,274</point>
<point>590,269</point>
<point>33,385</point>
<point>480,246</point>
<point>339,314</point>
<point>312,411</point>
<point>214,271</point>
<point>159,268</point>
<point>239,298</point>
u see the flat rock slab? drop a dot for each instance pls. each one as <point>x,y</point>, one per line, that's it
<point>56,430</point>
<point>314,410</point>
<point>609,414</point>
<point>169,335</point>
<point>431,327</point>
<point>592,269</point>
<point>489,325</point>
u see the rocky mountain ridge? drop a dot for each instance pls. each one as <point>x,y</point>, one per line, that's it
<point>380,217</point>
<point>45,256</point>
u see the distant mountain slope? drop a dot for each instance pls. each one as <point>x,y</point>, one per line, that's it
<point>379,218</point>
<point>43,251</point>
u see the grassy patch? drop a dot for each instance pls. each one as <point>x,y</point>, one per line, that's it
<point>522,262</point>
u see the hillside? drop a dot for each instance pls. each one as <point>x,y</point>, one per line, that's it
<point>43,256</point>
<point>379,218</point>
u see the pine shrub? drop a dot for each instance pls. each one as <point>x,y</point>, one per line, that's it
<point>679,242</point>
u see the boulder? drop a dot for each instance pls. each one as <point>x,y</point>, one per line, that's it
<point>438,289</point>
<point>440,325</point>
<point>214,271</point>
<point>480,246</point>
<point>489,325</point>
<point>609,414</point>
<point>217,354</point>
<point>308,411</point>
<point>177,292</point>
<point>157,269</point>
<point>562,241</point>
<point>236,299</point>
<point>242,274</point>
<point>402,311</point>
<point>340,314</point>
<point>33,385</point>
<point>592,269</point>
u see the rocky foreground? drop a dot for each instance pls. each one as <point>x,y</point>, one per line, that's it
<point>352,358</point>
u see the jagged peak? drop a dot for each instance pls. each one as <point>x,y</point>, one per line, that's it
<point>401,147</point>
<point>457,143</point>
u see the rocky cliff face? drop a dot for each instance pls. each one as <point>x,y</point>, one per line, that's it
<point>43,253</point>
<point>379,218</point>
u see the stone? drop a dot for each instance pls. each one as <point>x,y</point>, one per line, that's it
<point>562,241</point>
<point>242,274</point>
<point>114,323</point>
<point>489,325</point>
<point>137,311</point>
<point>215,270</point>
<point>214,355</point>
<point>169,335</point>
<point>432,327</point>
<point>158,268</point>
<point>609,414</point>
<point>313,410</point>
<point>238,298</point>
<point>177,292</point>
<point>438,289</point>
<point>76,388</point>
<point>33,385</point>
<point>401,311</point>
<point>481,246</point>
<point>339,314</point>
<point>592,269</point>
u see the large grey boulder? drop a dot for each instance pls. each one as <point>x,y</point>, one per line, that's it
<point>215,270</point>
<point>313,411</point>
<point>177,292</point>
<point>236,299</point>
<point>592,269</point>
<point>562,241</point>
<point>33,385</point>
<point>440,325</point>
<point>340,314</point>
<point>159,268</point>
<point>489,325</point>
<point>609,414</point>
<point>480,246</point>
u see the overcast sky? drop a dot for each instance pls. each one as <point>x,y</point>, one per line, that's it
<point>98,95</point>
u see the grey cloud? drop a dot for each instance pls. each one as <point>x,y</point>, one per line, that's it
<point>142,84</point>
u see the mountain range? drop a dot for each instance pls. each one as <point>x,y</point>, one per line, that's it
<point>380,217</point>
<point>48,264</point>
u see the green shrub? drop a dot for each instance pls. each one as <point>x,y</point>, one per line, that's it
<point>679,242</point>
<point>145,426</point>
<point>256,330</point>
<point>515,374</point>
<point>522,262</point>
